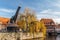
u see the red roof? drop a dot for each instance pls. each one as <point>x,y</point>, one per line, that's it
<point>46,21</point>
<point>4,20</point>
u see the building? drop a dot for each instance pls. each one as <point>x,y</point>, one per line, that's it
<point>3,22</point>
<point>48,22</point>
<point>57,28</point>
<point>50,25</point>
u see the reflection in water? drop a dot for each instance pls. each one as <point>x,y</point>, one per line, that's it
<point>48,38</point>
<point>36,39</point>
<point>58,37</point>
<point>53,37</point>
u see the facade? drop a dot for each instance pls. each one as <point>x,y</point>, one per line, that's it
<point>50,25</point>
<point>3,22</point>
<point>48,22</point>
<point>57,28</point>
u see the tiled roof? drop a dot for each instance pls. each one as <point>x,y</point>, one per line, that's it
<point>47,21</point>
<point>4,20</point>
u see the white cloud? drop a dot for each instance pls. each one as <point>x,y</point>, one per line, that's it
<point>45,11</point>
<point>56,4</point>
<point>49,13</point>
<point>57,20</point>
<point>6,10</point>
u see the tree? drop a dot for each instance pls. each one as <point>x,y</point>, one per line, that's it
<point>26,18</point>
<point>28,21</point>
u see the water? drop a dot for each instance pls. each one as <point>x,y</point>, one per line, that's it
<point>58,37</point>
<point>53,37</point>
<point>48,38</point>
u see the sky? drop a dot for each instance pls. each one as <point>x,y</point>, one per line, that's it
<point>43,8</point>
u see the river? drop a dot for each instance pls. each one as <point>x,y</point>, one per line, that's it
<point>53,37</point>
<point>49,38</point>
